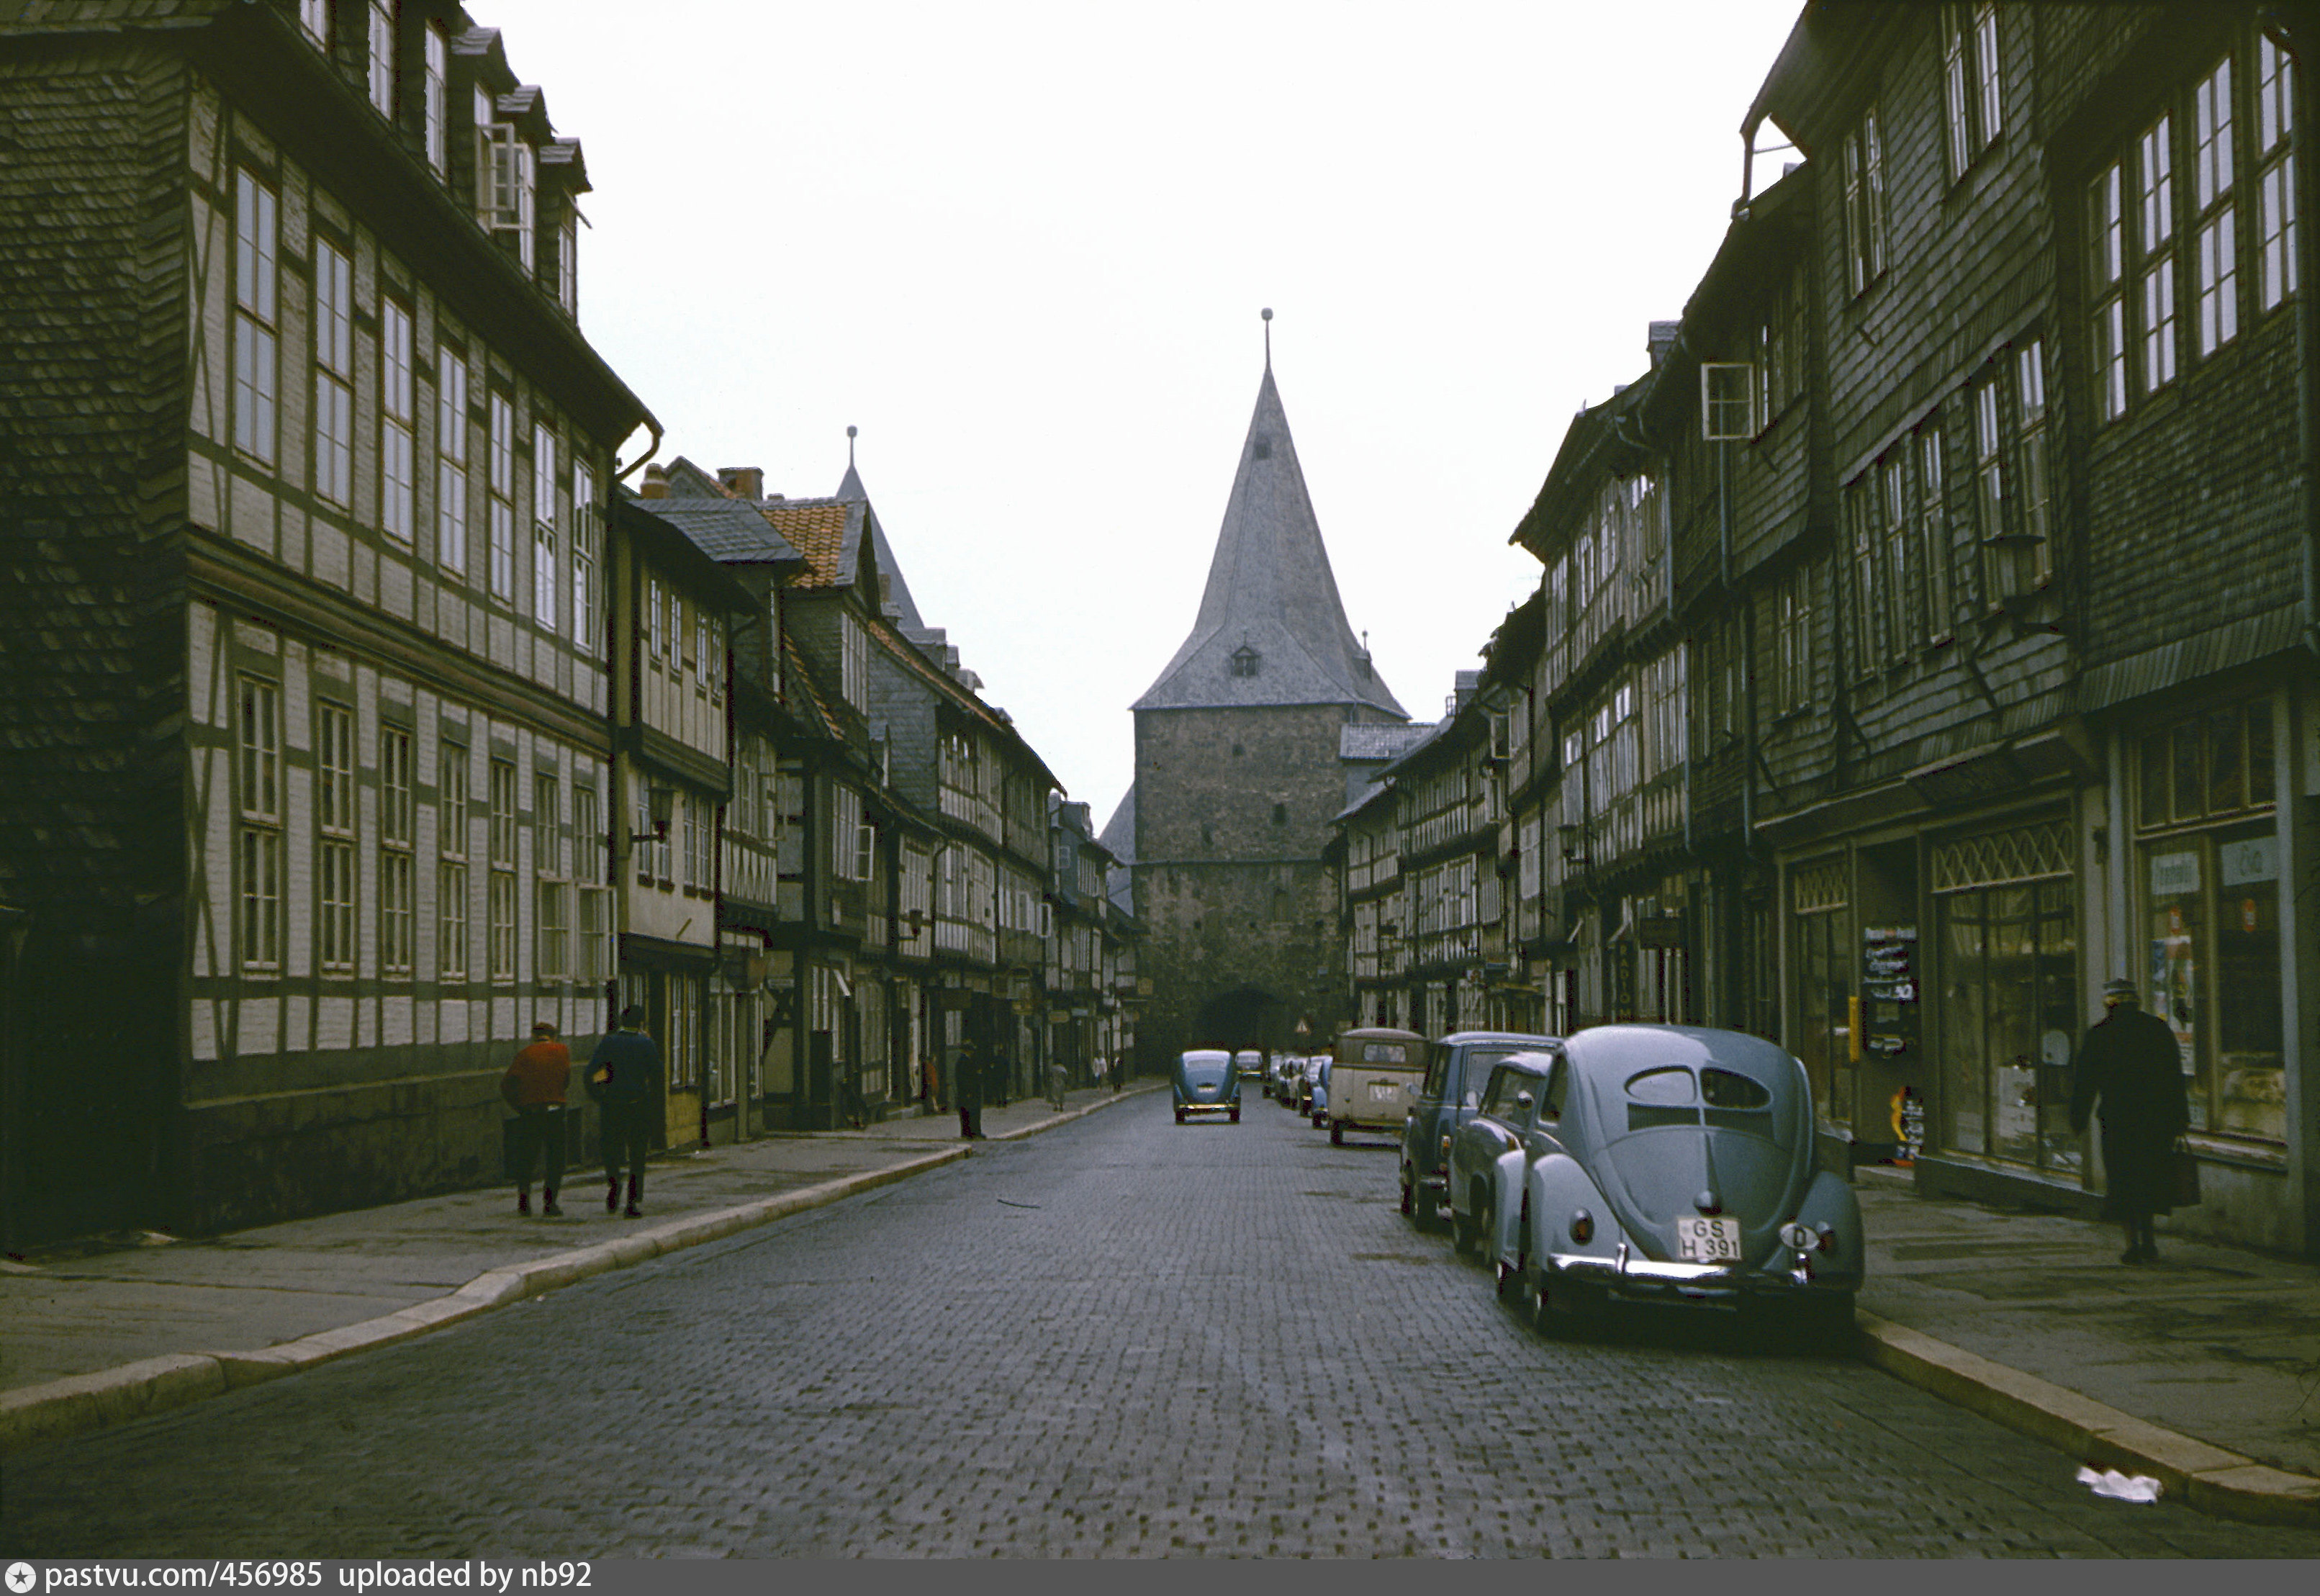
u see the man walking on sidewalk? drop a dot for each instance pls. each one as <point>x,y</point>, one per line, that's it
<point>534,1088</point>
<point>622,1074</point>
<point>966,1087</point>
<point>2131,1061</point>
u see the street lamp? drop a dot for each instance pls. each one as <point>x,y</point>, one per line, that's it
<point>661,805</point>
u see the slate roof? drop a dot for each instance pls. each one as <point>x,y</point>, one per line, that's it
<point>898,592</point>
<point>1119,835</point>
<point>1380,739</point>
<point>730,530</point>
<point>1270,590</point>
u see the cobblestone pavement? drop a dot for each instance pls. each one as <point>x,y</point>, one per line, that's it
<point>1122,1339</point>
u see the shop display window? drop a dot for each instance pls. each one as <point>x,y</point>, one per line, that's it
<point>2209,878</point>
<point>2010,1022</point>
<point>1820,933</point>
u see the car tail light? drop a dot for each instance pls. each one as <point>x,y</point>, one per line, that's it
<point>1827,1234</point>
<point>1583,1227</point>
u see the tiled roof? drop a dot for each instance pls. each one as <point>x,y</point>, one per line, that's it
<point>1270,590</point>
<point>818,528</point>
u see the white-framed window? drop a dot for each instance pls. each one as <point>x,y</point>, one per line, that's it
<point>450,458</point>
<point>2107,289</point>
<point>2013,492</point>
<point>1862,507</point>
<point>334,821</point>
<point>1934,535</point>
<point>502,448</point>
<point>592,961</point>
<point>438,99</point>
<point>506,180</point>
<point>654,647</point>
<point>568,260</point>
<point>314,17</point>
<point>334,375</point>
<point>258,800</point>
<point>853,662</point>
<point>2275,125</point>
<point>2214,249</point>
<point>451,872</point>
<point>584,558</point>
<point>1792,625</point>
<point>398,409</point>
<point>544,585</point>
<point>380,57</point>
<point>1904,593</point>
<point>501,797</point>
<point>551,927</point>
<point>256,282</point>
<point>2154,168</point>
<point>845,824</point>
<point>395,838</point>
<point>1861,159</point>
<point>2036,561</point>
<point>1972,96</point>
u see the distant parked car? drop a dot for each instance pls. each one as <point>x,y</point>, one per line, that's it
<point>1288,1072</point>
<point>1309,1080</point>
<point>1672,1165</point>
<point>1373,1075</point>
<point>1250,1063</point>
<point>1207,1083</point>
<point>1457,1069</point>
<point>1316,1097</point>
<point>1484,1166</point>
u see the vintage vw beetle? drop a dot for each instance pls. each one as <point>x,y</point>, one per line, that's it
<point>1677,1168</point>
<point>1207,1083</point>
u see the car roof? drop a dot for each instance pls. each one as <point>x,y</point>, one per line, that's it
<point>1205,1056</point>
<point>1607,1052</point>
<point>1461,1037</point>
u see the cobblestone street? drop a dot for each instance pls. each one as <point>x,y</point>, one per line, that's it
<point>1120,1338</point>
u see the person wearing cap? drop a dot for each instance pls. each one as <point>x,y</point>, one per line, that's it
<point>534,1088</point>
<point>2131,1063</point>
<point>623,1076</point>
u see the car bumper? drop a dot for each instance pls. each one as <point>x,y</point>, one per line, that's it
<point>1694,1285</point>
<point>1223,1106</point>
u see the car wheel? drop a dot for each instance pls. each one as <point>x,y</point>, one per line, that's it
<point>1486,1235</point>
<point>1409,1197</point>
<point>1462,1232</point>
<point>1532,1305</point>
<point>1429,1215</point>
<point>1236,1115</point>
<point>1336,1135</point>
<point>1179,1116</point>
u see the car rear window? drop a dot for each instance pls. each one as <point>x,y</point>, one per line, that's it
<point>1663,1086</point>
<point>1723,1089</point>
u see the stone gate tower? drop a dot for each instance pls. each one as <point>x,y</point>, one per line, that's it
<point>1237,775</point>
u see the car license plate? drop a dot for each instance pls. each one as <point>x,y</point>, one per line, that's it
<point>1384,1091</point>
<point>1704,1240</point>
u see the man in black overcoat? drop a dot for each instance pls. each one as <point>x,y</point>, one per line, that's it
<point>2131,1061</point>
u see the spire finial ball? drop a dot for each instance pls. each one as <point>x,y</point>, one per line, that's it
<point>850,432</point>
<point>1267,312</point>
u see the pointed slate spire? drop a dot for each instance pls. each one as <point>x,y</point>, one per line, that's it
<point>890,570</point>
<point>1271,630</point>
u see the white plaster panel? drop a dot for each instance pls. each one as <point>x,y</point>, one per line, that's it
<point>395,1014</point>
<point>452,1020</point>
<point>258,1027</point>
<point>330,555</point>
<point>335,1024</point>
<point>252,513</point>
<point>503,1018</point>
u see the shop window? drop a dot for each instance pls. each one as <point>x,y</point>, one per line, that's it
<point>2211,905</point>
<point>1821,932</point>
<point>2009,1015</point>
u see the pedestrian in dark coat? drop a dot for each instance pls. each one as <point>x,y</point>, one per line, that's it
<point>2131,1063</point>
<point>534,1088</point>
<point>623,1082</point>
<point>967,1086</point>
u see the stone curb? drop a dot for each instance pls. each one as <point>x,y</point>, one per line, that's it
<point>80,1404</point>
<point>2203,1476</point>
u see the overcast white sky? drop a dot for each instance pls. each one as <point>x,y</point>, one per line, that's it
<point>1023,249</point>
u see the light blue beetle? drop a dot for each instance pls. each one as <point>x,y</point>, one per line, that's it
<point>1670,1165</point>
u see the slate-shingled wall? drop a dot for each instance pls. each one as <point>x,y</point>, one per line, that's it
<point>92,374</point>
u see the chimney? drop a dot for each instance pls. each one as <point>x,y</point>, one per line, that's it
<point>1663,338</point>
<point>655,484</point>
<point>743,482</point>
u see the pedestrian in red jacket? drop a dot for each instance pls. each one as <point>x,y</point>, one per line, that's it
<point>534,1088</point>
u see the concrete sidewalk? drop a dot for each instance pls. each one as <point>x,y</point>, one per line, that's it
<point>2200,1370</point>
<point>115,1334</point>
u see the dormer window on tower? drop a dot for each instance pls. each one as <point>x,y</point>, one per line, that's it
<point>1245,660</point>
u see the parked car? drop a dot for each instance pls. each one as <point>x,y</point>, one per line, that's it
<point>1457,1069</point>
<point>1288,1076</point>
<point>1673,1165</point>
<point>1317,1097</point>
<point>1487,1154</point>
<point>1374,1076</point>
<point>1207,1083</point>
<point>1250,1063</point>
<point>1309,1080</point>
